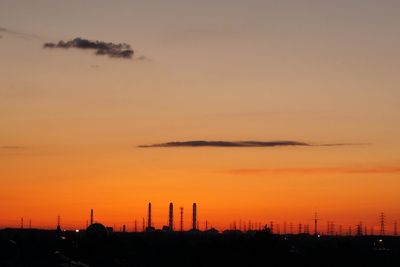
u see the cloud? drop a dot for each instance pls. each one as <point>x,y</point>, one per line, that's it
<point>227,144</point>
<point>143,58</point>
<point>11,147</point>
<point>101,48</point>
<point>203,143</point>
<point>327,170</point>
<point>16,33</point>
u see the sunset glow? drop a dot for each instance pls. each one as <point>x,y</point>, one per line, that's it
<point>195,112</point>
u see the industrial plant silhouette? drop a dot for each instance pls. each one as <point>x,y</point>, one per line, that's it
<point>242,244</point>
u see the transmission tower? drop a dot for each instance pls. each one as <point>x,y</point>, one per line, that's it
<point>316,223</point>
<point>359,229</point>
<point>382,223</point>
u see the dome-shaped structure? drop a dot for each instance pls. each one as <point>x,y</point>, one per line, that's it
<point>96,230</point>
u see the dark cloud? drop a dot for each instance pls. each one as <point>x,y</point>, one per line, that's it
<point>201,143</point>
<point>227,144</point>
<point>317,170</point>
<point>101,48</point>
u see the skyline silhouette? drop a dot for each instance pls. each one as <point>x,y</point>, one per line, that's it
<point>382,227</point>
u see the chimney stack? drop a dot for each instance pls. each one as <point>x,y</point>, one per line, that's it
<point>149,216</point>
<point>91,216</point>
<point>194,218</point>
<point>171,217</point>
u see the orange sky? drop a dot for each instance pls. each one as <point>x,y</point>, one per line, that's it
<point>71,121</point>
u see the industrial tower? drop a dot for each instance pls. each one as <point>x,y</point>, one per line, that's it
<point>181,226</point>
<point>58,223</point>
<point>149,216</point>
<point>194,217</point>
<point>91,217</point>
<point>171,217</point>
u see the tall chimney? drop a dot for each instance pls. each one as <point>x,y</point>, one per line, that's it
<point>171,216</point>
<point>181,227</point>
<point>194,218</point>
<point>91,216</point>
<point>149,216</point>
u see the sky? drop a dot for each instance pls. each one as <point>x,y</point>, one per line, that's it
<point>74,123</point>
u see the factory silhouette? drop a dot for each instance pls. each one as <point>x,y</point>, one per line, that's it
<point>98,229</point>
<point>242,244</point>
<point>241,226</point>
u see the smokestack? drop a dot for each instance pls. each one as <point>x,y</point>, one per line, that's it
<point>59,223</point>
<point>181,228</point>
<point>194,218</point>
<point>91,216</point>
<point>149,216</point>
<point>171,216</point>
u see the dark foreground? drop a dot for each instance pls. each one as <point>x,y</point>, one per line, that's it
<point>52,248</point>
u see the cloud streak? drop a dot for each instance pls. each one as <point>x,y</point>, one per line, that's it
<point>121,50</point>
<point>327,170</point>
<point>202,143</point>
<point>16,33</point>
<point>11,147</point>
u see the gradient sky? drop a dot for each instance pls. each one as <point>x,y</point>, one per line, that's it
<point>309,71</point>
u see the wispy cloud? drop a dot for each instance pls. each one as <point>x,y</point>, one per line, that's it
<point>318,170</point>
<point>11,147</point>
<point>16,33</point>
<point>202,143</point>
<point>121,50</point>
